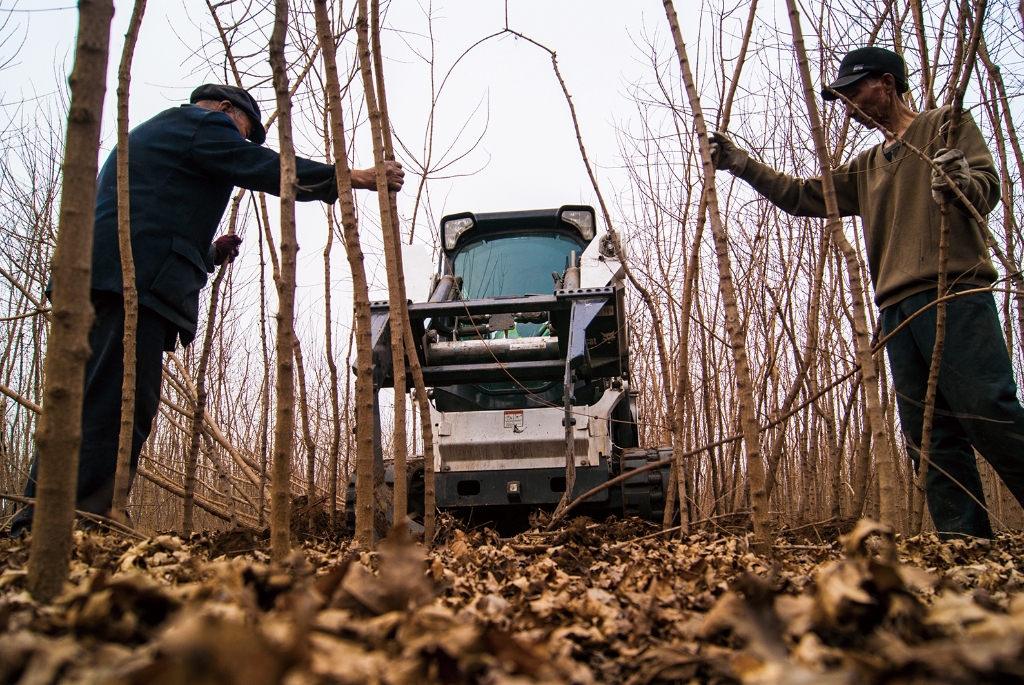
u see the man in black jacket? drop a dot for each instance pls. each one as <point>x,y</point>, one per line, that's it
<point>183,166</point>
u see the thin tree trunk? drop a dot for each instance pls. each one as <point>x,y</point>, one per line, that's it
<point>199,408</point>
<point>265,387</point>
<point>922,44</point>
<point>869,373</point>
<point>956,99</point>
<point>683,374</point>
<point>360,293</point>
<point>682,389</point>
<point>332,464</point>
<point>809,356</point>
<point>122,481</point>
<point>392,248</point>
<point>307,436</point>
<point>430,514</point>
<point>284,423</point>
<point>1003,103</point>
<point>59,433</point>
<point>1010,226</point>
<point>744,386</point>
<point>349,419</point>
<point>226,486</point>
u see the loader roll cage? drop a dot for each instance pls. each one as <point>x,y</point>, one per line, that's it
<point>584,328</point>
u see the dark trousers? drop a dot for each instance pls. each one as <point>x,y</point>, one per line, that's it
<point>976,406</point>
<point>101,406</point>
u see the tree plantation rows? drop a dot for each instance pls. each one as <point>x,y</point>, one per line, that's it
<point>757,350</point>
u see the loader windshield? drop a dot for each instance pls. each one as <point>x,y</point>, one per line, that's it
<point>504,265</point>
<point>499,266</point>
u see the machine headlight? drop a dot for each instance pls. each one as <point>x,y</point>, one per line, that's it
<point>453,228</point>
<point>581,219</point>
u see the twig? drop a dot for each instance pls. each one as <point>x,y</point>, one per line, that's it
<point>95,518</point>
<point>27,403</point>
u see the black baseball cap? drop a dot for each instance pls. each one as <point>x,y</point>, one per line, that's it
<point>240,98</point>
<point>863,61</point>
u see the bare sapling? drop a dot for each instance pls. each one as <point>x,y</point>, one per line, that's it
<point>922,44</point>
<point>332,462</point>
<point>199,408</point>
<point>999,101</point>
<point>307,435</point>
<point>965,61</point>
<point>869,371</point>
<point>430,514</point>
<point>360,294</point>
<point>737,343</point>
<point>59,433</point>
<point>284,421</point>
<point>122,474</point>
<point>682,384</point>
<point>265,381</point>
<point>392,247</point>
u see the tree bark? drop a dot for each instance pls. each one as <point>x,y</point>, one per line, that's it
<point>995,76</point>
<point>118,507</point>
<point>332,468</point>
<point>284,423</point>
<point>360,293</point>
<point>59,434</point>
<point>737,341</point>
<point>392,249</point>
<point>922,44</point>
<point>307,436</point>
<point>265,386</point>
<point>965,59</point>
<point>883,454</point>
<point>682,382</point>
<point>423,402</point>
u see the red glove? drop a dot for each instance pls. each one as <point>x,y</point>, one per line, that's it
<point>227,249</point>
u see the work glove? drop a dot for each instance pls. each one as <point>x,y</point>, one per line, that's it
<point>725,155</point>
<point>226,248</point>
<point>952,162</point>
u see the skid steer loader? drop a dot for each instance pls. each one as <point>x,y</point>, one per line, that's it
<point>524,332</point>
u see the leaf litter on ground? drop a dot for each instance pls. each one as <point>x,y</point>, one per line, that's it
<point>589,603</point>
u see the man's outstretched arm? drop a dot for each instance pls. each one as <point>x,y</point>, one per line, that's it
<point>220,151</point>
<point>796,196</point>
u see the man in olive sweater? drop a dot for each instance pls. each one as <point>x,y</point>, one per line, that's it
<point>897,196</point>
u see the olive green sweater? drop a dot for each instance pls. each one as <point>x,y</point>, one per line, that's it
<point>894,201</point>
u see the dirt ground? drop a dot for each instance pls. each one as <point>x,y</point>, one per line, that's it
<point>607,603</point>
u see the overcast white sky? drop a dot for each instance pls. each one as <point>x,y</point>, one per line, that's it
<point>528,156</point>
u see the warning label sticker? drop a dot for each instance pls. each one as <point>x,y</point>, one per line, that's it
<point>514,418</point>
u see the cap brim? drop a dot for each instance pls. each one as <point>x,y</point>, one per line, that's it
<point>840,82</point>
<point>257,133</point>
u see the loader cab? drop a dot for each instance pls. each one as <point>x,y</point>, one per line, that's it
<point>503,255</point>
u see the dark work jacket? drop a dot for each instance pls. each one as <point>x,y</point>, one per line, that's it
<point>182,166</point>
